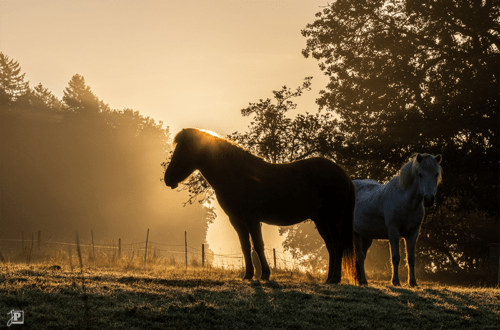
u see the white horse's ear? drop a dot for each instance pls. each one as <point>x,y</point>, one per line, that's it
<point>438,158</point>
<point>419,158</point>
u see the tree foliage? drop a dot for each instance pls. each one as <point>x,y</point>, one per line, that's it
<point>399,70</point>
<point>12,84</point>
<point>415,76</point>
<point>279,138</point>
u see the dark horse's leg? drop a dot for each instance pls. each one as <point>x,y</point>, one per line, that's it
<point>258,245</point>
<point>335,255</point>
<point>362,245</point>
<point>244,237</point>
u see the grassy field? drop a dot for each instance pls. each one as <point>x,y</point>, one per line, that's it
<point>170,297</point>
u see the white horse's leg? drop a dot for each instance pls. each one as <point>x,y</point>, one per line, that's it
<point>410,252</point>
<point>394,242</point>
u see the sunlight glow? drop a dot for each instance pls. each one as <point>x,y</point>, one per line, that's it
<point>210,132</point>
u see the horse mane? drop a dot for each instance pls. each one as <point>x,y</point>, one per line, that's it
<point>211,140</point>
<point>409,170</point>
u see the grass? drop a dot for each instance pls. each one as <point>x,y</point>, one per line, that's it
<point>167,297</point>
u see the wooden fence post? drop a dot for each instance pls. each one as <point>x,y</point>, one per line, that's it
<point>274,256</point>
<point>70,257</point>
<point>119,248</point>
<point>32,240</point>
<point>93,250</point>
<point>79,251</point>
<point>203,255</point>
<point>186,248</point>
<point>146,251</point>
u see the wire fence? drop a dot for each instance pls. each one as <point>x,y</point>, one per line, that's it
<point>22,249</point>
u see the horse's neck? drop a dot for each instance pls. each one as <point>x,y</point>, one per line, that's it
<point>217,169</point>
<point>412,196</point>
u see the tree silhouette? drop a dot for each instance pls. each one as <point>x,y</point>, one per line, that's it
<point>414,76</point>
<point>46,98</point>
<point>81,103</point>
<point>12,84</point>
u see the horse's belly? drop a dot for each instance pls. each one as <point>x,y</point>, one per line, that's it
<point>374,233</point>
<point>288,207</point>
<point>370,226</point>
<point>289,214</point>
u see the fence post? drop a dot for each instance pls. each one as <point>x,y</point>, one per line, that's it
<point>31,249</point>
<point>93,250</point>
<point>79,251</point>
<point>274,256</point>
<point>203,255</point>
<point>70,257</point>
<point>186,248</point>
<point>119,248</point>
<point>39,238</point>
<point>146,252</point>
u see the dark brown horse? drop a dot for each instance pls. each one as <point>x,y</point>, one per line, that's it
<point>251,190</point>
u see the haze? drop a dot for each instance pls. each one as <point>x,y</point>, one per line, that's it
<point>186,63</point>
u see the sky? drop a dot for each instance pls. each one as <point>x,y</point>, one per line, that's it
<point>185,63</point>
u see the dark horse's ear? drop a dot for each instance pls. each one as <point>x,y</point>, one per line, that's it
<point>438,158</point>
<point>419,158</point>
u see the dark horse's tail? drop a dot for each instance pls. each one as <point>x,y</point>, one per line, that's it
<point>346,236</point>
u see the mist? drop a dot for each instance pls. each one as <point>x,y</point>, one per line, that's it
<point>90,169</point>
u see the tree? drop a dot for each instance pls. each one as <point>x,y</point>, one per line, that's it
<point>79,99</point>
<point>12,84</point>
<point>413,76</point>
<point>269,132</point>
<point>46,98</point>
<point>410,64</point>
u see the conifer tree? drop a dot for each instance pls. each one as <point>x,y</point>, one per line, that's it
<point>12,84</point>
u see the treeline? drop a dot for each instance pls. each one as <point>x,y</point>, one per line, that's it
<point>405,77</point>
<point>75,163</point>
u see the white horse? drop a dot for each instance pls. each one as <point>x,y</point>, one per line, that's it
<point>395,210</point>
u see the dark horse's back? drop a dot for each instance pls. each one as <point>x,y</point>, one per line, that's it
<point>294,192</point>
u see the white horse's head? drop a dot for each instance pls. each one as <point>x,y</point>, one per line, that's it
<point>428,176</point>
<point>426,170</point>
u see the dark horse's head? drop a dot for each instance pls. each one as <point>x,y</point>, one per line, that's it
<point>190,143</point>
<point>426,169</point>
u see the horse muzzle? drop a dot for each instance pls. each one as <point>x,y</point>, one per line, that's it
<point>168,181</point>
<point>171,184</point>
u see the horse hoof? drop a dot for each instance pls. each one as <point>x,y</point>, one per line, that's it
<point>396,283</point>
<point>264,278</point>
<point>365,282</point>
<point>413,284</point>
<point>248,277</point>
